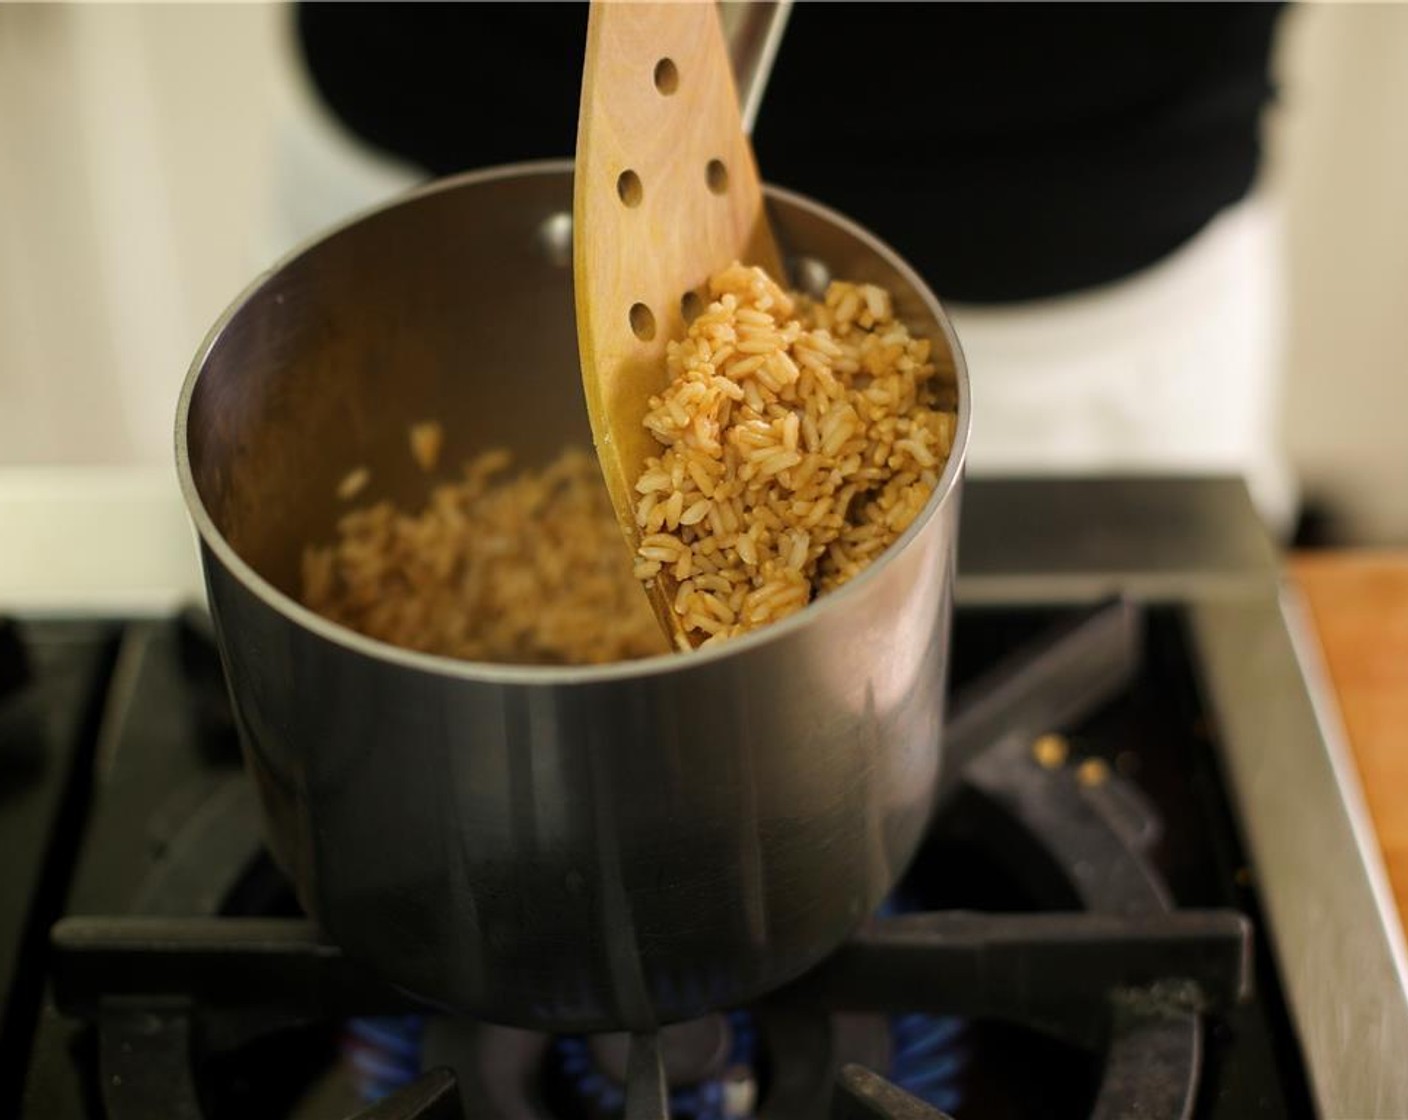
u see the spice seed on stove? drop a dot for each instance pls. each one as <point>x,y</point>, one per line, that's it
<point>1093,772</point>
<point>1051,751</point>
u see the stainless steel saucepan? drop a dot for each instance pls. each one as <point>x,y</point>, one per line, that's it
<point>562,848</point>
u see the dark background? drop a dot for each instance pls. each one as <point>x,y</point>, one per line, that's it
<point>1009,151</point>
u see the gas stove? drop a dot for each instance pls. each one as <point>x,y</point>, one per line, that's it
<point>1108,918</point>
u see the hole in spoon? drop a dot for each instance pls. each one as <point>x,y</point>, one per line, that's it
<point>716,175</point>
<point>667,77</point>
<point>628,187</point>
<point>691,304</point>
<point>642,322</point>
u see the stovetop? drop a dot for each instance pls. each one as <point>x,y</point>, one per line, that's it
<point>1084,933</point>
<point>1073,940</point>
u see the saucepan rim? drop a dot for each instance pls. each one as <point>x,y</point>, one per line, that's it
<point>560,675</point>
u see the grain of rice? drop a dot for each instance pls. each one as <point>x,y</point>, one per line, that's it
<point>426,441</point>
<point>353,483</point>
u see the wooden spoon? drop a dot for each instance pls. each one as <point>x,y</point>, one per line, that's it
<point>666,192</point>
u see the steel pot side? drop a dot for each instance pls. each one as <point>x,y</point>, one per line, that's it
<point>566,848</point>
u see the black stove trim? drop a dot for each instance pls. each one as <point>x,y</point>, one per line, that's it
<point>54,679</point>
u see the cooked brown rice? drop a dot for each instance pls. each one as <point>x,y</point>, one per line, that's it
<point>426,441</point>
<point>799,440</point>
<point>353,483</point>
<point>528,568</point>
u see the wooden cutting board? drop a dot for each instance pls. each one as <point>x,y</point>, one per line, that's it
<point>1358,603</point>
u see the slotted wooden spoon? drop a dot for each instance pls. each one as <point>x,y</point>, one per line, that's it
<point>666,192</point>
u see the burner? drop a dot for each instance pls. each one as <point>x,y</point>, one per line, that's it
<point>384,1053</point>
<point>693,1052</point>
<point>710,1066</point>
<point>930,1058</point>
<point>927,1055</point>
<point>499,1070</point>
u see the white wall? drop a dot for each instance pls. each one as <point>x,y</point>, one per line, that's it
<point>153,158</point>
<point>1339,156</point>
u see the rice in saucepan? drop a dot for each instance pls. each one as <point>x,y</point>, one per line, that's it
<point>798,440</point>
<point>527,567</point>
